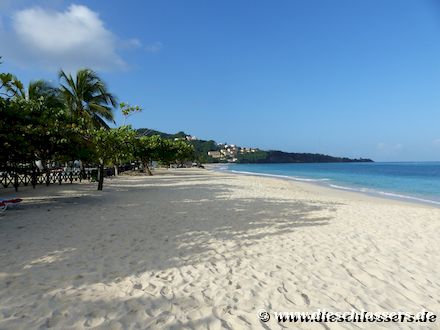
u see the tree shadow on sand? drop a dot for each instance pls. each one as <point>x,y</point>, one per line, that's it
<point>65,244</point>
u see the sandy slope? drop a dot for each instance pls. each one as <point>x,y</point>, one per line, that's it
<point>204,250</point>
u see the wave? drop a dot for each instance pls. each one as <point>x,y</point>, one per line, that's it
<point>385,193</point>
<point>278,176</point>
<point>335,186</point>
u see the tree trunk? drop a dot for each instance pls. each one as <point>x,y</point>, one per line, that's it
<point>16,178</point>
<point>146,168</point>
<point>100,176</point>
<point>82,171</point>
<point>116,170</point>
<point>34,177</point>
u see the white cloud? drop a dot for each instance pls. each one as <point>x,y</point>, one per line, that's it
<point>129,44</point>
<point>133,43</point>
<point>154,47</point>
<point>71,39</point>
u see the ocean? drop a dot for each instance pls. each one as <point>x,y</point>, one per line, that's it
<point>416,181</point>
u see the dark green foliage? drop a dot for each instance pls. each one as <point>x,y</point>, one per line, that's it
<point>163,150</point>
<point>111,147</point>
<point>147,149</point>
<point>9,85</point>
<point>183,151</point>
<point>31,130</point>
<point>151,132</point>
<point>252,157</point>
<point>201,147</point>
<point>180,134</point>
<point>288,157</point>
<point>174,152</point>
<point>38,123</point>
<point>14,134</point>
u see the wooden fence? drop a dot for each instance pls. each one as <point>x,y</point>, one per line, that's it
<point>25,175</point>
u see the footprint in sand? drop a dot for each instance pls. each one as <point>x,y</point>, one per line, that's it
<point>281,289</point>
<point>137,286</point>
<point>161,320</point>
<point>167,293</point>
<point>221,311</point>
<point>93,320</point>
<point>150,289</point>
<point>54,319</point>
<point>306,298</point>
<point>166,277</point>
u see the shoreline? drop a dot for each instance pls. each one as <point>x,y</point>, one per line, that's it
<point>334,186</point>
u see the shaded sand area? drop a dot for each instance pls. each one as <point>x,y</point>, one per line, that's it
<point>196,249</point>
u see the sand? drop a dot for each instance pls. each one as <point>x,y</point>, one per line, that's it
<point>193,249</point>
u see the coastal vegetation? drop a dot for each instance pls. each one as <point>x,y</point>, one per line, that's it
<point>202,147</point>
<point>275,156</point>
<point>56,125</point>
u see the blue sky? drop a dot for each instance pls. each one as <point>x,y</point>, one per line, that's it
<point>346,78</point>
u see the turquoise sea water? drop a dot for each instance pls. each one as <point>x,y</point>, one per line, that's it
<point>417,181</point>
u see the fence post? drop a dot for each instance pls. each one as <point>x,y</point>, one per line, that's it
<point>34,177</point>
<point>4,179</point>
<point>16,180</point>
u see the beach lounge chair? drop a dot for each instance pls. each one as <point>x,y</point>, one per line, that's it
<point>5,202</point>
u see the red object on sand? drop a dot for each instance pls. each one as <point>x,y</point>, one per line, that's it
<point>4,203</point>
<point>14,200</point>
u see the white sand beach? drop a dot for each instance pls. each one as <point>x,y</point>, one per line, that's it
<point>194,249</point>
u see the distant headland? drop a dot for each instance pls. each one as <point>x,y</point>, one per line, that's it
<point>209,151</point>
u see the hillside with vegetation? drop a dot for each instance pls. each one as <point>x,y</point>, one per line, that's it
<point>274,156</point>
<point>202,147</point>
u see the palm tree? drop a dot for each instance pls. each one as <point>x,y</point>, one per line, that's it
<point>9,85</point>
<point>41,88</point>
<point>86,96</point>
<point>38,90</point>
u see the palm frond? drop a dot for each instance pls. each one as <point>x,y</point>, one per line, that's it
<point>87,95</point>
